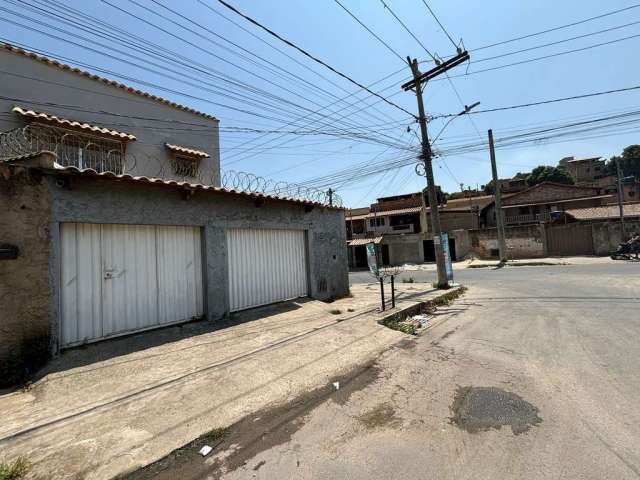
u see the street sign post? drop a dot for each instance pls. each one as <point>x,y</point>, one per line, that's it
<point>447,256</point>
<point>372,259</point>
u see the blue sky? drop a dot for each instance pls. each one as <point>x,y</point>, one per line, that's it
<point>327,31</point>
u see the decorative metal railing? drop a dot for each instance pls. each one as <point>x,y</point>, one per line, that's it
<point>72,148</point>
<point>104,155</point>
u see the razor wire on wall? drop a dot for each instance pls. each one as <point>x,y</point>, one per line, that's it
<point>85,151</point>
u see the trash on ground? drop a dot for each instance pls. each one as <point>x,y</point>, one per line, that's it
<point>206,450</point>
<point>336,385</point>
<point>420,320</point>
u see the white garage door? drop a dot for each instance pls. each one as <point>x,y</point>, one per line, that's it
<point>265,266</point>
<point>123,278</point>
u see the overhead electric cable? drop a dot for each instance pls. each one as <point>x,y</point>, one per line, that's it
<point>315,59</point>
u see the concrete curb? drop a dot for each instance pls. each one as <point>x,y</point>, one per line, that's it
<point>421,307</point>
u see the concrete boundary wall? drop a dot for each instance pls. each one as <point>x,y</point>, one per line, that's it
<point>33,211</point>
<point>527,241</point>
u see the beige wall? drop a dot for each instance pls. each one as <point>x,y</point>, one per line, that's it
<point>522,242</point>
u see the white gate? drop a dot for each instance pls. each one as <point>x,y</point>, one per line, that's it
<point>265,266</point>
<point>123,278</point>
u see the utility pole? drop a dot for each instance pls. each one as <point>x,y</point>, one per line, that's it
<point>620,199</point>
<point>428,168</point>
<point>417,84</point>
<point>502,246</point>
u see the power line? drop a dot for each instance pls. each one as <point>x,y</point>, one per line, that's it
<point>161,73</point>
<point>541,102</point>
<point>613,12</point>
<point>371,32</point>
<point>618,27</point>
<point>315,59</point>
<point>407,29</point>
<point>545,57</point>
<point>263,115</point>
<point>441,26</point>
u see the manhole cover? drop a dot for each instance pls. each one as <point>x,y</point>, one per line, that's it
<point>478,409</point>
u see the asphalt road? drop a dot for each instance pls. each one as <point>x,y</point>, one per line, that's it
<point>533,374</point>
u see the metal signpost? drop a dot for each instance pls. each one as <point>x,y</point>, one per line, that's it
<point>444,236</point>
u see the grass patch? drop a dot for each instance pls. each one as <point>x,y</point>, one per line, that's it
<point>396,321</point>
<point>393,324</point>
<point>447,298</point>
<point>335,311</point>
<point>408,280</point>
<point>14,470</point>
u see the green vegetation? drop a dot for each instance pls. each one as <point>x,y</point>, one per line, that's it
<point>14,470</point>
<point>408,280</point>
<point>545,173</point>
<point>393,324</point>
<point>629,162</point>
<point>397,321</point>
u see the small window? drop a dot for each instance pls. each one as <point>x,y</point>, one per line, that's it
<point>186,166</point>
<point>372,222</point>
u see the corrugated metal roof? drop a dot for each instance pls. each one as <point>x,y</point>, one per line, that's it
<point>106,81</point>
<point>603,212</point>
<point>187,151</point>
<point>25,112</point>
<point>356,242</point>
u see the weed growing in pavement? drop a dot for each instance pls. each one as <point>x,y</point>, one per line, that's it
<point>397,321</point>
<point>335,311</point>
<point>350,310</point>
<point>14,470</point>
<point>408,280</point>
<point>401,327</point>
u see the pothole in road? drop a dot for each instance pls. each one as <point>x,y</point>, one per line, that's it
<point>478,409</point>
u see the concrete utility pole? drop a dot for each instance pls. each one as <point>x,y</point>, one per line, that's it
<point>416,84</point>
<point>502,246</point>
<point>428,168</point>
<point>621,199</point>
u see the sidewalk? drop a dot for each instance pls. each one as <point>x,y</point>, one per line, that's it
<point>478,263</point>
<point>118,405</point>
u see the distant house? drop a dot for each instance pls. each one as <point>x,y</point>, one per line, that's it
<point>536,204</point>
<point>401,227</point>
<point>603,213</point>
<point>585,171</point>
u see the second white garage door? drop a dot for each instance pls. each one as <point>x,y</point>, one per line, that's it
<point>265,266</point>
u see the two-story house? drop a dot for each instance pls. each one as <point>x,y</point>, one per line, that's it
<point>401,227</point>
<point>113,220</point>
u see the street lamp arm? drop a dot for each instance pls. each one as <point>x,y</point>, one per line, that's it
<point>467,109</point>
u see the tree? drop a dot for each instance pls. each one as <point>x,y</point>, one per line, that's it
<point>629,162</point>
<point>489,188</point>
<point>545,173</point>
<point>440,195</point>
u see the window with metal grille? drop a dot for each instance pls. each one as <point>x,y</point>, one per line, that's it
<point>186,166</point>
<point>76,149</point>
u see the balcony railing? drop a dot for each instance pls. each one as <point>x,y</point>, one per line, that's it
<point>72,148</point>
<point>387,229</point>
<point>527,218</point>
